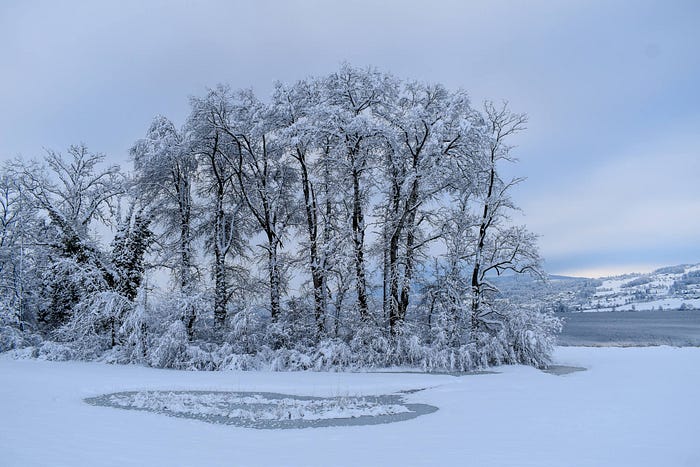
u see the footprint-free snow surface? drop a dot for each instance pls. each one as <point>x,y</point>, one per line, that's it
<point>266,409</point>
<point>631,407</point>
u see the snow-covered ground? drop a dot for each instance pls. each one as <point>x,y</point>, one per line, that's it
<point>632,407</point>
<point>673,303</point>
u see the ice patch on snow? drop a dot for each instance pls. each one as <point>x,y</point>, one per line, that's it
<point>561,370</point>
<point>267,410</point>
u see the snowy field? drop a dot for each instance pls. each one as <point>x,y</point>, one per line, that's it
<point>632,407</point>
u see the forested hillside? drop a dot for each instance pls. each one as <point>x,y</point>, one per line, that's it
<point>667,288</point>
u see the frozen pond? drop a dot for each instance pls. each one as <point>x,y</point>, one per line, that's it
<point>632,328</point>
<point>267,410</point>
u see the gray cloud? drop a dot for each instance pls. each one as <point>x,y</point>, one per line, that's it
<point>610,87</point>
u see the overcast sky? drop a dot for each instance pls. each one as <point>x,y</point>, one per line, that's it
<point>612,90</point>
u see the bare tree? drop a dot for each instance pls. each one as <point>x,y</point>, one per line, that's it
<point>353,93</point>
<point>265,180</point>
<point>19,225</point>
<point>297,108</point>
<point>499,248</point>
<point>74,192</point>
<point>424,133</point>
<point>164,176</point>
<point>225,225</point>
<point>165,170</point>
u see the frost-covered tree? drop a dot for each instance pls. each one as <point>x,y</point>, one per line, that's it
<point>129,248</point>
<point>253,155</point>
<point>499,247</point>
<point>296,108</point>
<point>356,136</point>
<point>223,223</point>
<point>164,176</point>
<point>19,253</point>
<point>74,193</point>
<point>308,133</point>
<point>425,122</point>
<point>380,200</point>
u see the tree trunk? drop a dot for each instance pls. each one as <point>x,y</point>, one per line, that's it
<point>408,273</point>
<point>221,240</point>
<point>185,207</point>
<point>410,226</point>
<point>391,274</point>
<point>483,227</point>
<point>220,295</point>
<point>317,272</point>
<point>400,285</point>
<point>274,277</point>
<point>184,200</point>
<point>358,230</point>
<point>393,268</point>
<point>219,288</point>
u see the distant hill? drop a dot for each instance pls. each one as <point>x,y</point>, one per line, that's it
<point>667,288</point>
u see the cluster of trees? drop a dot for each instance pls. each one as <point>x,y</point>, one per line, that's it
<point>351,219</point>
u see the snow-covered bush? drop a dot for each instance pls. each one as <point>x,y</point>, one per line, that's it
<point>294,329</point>
<point>169,350</point>
<point>333,354</point>
<point>246,331</point>
<point>370,347</point>
<point>529,336</point>
<point>96,325</point>
<point>173,349</point>
<point>134,335</point>
<point>290,359</point>
<point>11,338</point>
<point>50,350</point>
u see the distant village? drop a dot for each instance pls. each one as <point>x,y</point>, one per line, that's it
<point>668,288</point>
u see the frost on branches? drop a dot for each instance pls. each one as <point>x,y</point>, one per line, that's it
<point>351,220</point>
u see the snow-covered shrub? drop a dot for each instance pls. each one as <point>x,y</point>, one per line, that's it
<point>173,349</point>
<point>296,328</point>
<point>235,361</point>
<point>134,335</point>
<point>408,349</point>
<point>370,347</point>
<point>12,338</point>
<point>57,351</point>
<point>333,354</point>
<point>290,359</point>
<point>95,325</point>
<point>448,358</point>
<point>170,348</point>
<point>202,357</point>
<point>246,332</point>
<point>489,349</point>
<point>191,309</point>
<point>529,336</point>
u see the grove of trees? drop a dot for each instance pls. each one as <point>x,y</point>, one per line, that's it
<point>350,220</point>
